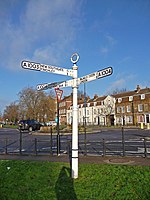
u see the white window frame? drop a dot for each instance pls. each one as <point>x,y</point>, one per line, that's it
<point>140,107</point>
<point>88,104</point>
<point>119,100</point>
<point>130,98</point>
<point>142,96</point>
<point>129,119</point>
<point>95,103</point>
<point>118,109</point>
<point>128,108</point>
<point>87,112</point>
<point>123,109</point>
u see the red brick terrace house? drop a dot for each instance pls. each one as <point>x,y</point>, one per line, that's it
<point>133,107</point>
<point>64,104</point>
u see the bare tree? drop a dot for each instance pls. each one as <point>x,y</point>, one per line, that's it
<point>1,117</point>
<point>117,91</point>
<point>109,108</point>
<point>11,112</point>
<point>35,104</point>
<point>47,108</point>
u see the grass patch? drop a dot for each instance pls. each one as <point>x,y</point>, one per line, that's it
<point>32,180</point>
<point>10,126</point>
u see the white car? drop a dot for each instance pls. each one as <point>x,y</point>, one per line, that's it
<point>51,123</point>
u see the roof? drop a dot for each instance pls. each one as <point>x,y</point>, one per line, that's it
<point>132,93</point>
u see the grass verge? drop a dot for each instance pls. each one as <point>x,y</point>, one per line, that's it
<point>10,126</point>
<point>32,180</point>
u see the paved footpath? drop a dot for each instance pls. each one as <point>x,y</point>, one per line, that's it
<point>83,159</point>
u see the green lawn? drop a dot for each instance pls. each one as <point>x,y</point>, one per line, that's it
<point>26,180</point>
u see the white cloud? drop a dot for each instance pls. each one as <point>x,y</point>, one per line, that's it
<point>43,29</point>
<point>124,60</point>
<point>104,50</point>
<point>109,43</point>
<point>121,82</point>
<point>111,40</point>
<point>118,84</point>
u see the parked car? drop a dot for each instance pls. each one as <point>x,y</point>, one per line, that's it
<point>51,123</point>
<point>30,125</point>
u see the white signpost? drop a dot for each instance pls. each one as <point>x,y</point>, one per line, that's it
<point>46,86</point>
<point>46,68</point>
<point>96,75</point>
<point>90,77</point>
<point>54,85</point>
<point>74,83</point>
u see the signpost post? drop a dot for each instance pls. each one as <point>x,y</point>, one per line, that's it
<point>74,83</point>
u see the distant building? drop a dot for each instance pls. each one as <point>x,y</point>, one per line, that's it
<point>133,107</point>
<point>126,108</point>
<point>96,111</point>
<point>64,105</point>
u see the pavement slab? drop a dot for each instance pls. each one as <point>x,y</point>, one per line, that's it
<point>83,159</point>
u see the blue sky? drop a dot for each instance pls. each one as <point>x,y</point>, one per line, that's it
<point>104,32</point>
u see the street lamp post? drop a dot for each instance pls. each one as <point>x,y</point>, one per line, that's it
<point>58,97</point>
<point>58,136</point>
<point>85,120</point>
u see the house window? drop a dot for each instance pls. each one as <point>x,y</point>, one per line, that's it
<point>118,109</point>
<point>140,107</point>
<point>123,109</point>
<point>87,119</point>
<point>95,103</point>
<point>119,100</point>
<point>119,120</point>
<point>128,108</point>
<point>140,118</point>
<point>87,112</point>
<point>102,103</point>
<point>146,107</point>
<point>94,111</point>
<point>102,111</point>
<point>130,98</point>
<point>129,119</point>
<point>142,96</point>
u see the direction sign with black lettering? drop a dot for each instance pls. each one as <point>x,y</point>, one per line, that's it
<point>90,77</point>
<point>46,86</point>
<point>46,68</point>
<point>68,83</point>
<point>96,75</point>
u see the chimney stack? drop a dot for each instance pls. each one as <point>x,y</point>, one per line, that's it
<point>138,88</point>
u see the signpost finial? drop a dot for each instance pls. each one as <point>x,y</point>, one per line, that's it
<point>74,58</point>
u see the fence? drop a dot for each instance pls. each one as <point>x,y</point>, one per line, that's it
<point>99,147</point>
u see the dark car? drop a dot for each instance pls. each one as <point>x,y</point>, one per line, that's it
<point>30,125</point>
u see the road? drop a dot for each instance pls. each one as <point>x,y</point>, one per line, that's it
<point>104,142</point>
